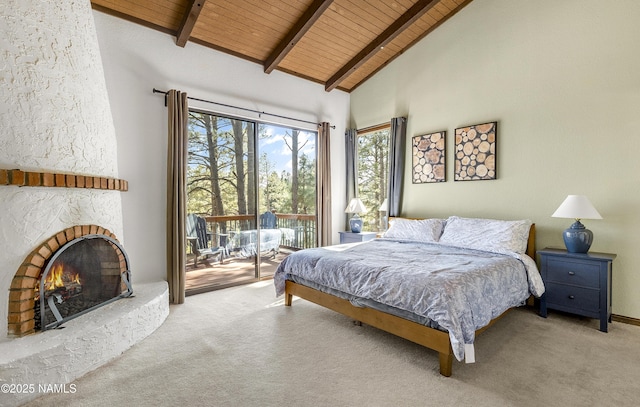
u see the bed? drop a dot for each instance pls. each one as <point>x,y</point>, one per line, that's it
<point>436,282</point>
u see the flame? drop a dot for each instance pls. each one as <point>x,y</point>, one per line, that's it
<point>54,279</point>
<point>59,277</point>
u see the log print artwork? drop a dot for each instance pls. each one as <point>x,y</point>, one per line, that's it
<point>476,152</point>
<point>429,158</point>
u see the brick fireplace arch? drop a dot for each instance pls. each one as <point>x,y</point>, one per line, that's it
<point>22,292</point>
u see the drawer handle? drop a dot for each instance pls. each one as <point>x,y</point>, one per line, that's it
<point>572,273</point>
<point>572,297</point>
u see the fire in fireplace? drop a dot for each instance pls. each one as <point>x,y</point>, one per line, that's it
<point>74,271</point>
<point>62,282</point>
<point>82,275</point>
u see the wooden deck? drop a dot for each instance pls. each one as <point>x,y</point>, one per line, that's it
<point>211,275</point>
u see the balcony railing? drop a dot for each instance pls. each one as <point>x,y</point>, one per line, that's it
<point>299,231</point>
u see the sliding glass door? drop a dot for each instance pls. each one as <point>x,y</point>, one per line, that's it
<point>253,186</point>
<point>287,191</point>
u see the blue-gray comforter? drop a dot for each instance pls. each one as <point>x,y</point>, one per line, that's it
<point>460,290</point>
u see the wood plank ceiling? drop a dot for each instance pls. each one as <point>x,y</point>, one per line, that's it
<point>338,43</point>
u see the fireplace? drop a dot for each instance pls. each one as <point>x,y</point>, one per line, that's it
<point>59,168</point>
<point>81,276</point>
<point>74,272</point>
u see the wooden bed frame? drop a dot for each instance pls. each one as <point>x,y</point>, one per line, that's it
<point>420,334</point>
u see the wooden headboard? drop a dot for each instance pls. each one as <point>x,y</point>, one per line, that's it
<point>531,243</point>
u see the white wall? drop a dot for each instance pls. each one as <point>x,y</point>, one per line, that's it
<point>54,117</point>
<point>138,59</point>
<point>562,78</point>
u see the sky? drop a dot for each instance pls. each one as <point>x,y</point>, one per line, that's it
<point>278,153</point>
<point>277,150</point>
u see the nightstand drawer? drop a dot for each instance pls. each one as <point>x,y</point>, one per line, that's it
<point>585,274</point>
<point>586,299</point>
<point>350,237</point>
<point>578,283</point>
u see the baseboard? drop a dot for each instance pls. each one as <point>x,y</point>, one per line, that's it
<point>625,320</point>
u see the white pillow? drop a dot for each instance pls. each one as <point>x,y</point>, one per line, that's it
<point>421,230</point>
<point>487,234</point>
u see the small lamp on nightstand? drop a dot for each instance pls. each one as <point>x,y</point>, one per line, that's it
<point>577,238</point>
<point>355,206</point>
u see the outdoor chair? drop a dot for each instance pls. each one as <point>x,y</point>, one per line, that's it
<point>268,220</point>
<point>199,238</point>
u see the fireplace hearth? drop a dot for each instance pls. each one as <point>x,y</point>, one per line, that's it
<point>81,276</point>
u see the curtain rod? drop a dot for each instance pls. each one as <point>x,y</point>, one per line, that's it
<point>165,93</point>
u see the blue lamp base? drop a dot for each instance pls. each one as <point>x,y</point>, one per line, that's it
<point>356,224</point>
<point>577,238</point>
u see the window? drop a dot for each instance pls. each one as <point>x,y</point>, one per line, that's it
<point>244,177</point>
<point>373,174</point>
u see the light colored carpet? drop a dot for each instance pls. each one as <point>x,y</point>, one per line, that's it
<point>241,347</point>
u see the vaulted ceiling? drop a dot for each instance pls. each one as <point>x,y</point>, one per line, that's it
<point>338,43</point>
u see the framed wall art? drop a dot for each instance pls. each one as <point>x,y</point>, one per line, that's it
<point>475,155</point>
<point>429,156</point>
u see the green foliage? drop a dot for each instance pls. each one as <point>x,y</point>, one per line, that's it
<point>307,185</point>
<point>211,165</point>
<point>213,170</point>
<point>275,195</point>
<point>199,193</point>
<point>373,167</point>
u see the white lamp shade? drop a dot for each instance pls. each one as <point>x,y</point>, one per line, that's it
<point>576,207</point>
<point>355,206</point>
<point>385,206</point>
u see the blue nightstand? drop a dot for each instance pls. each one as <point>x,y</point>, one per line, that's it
<point>578,283</point>
<point>350,237</point>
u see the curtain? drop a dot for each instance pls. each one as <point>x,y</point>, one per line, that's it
<point>324,185</point>
<point>396,164</point>
<point>178,112</point>
<point>351,138</point>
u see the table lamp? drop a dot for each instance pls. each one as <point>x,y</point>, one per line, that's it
<point>355,206</point>
<point>577,238</point>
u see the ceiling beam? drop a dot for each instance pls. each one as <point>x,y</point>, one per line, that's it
<point>310,16</point>
<point>188,22</point>
<point>409,17</point>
